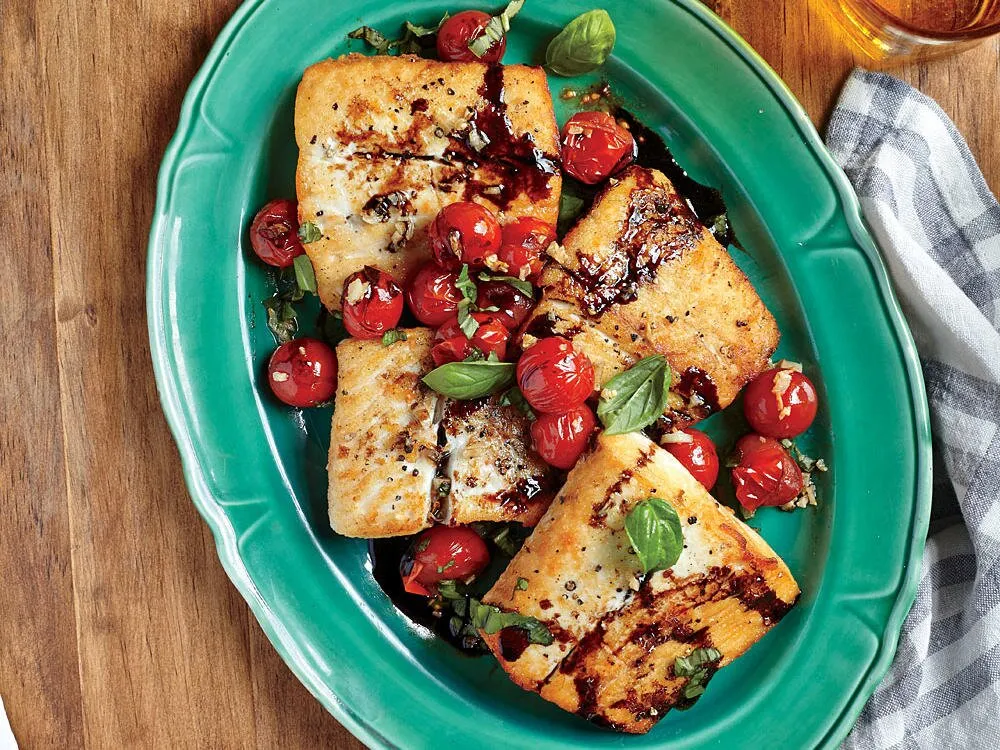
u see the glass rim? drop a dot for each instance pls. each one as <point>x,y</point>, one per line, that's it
<point>926,35</point>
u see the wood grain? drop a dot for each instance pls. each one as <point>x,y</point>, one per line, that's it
<point>118,627</point>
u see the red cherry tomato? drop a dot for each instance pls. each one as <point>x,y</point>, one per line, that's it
<point>514,305</point>
<point>303,372</point>
<point>780,403</point>
<point>594,146</point>
<point>372,303</point>
<point>464,232</point>
<point>554,377</point>
<point>524,242</point>
<point>442,553</point>
<point>698,456</point>
<point>433,295</point>
<point>766,473</point>
<point>452,345</point>
<point>274,233</point>
<point>456,33</point>
<point>560,438</point>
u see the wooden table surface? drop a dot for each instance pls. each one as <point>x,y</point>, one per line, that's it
<point>118,627</point>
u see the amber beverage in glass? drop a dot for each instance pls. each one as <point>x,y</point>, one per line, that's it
<point>916,28</point>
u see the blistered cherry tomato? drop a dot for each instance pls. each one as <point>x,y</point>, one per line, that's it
<point>303,372</point>
<point>372,303</point>
<point>442,553</point>
<point>464,232</point>
<point>452,345</point>
<point>554,377</point>
<point>594,146</point>
<point>433,295</point>
<point>274,234</point>
<point>780,403</point>
<point>766,474</point>
<point>698,455</point>
<point>524,242</point>
<point>514,306</point>
<point>560,438</point>
<point>456,33</point>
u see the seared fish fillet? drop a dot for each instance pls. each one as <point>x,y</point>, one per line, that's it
<point>386,142</point>
<point>640,275</point>
<point>402,457</point>
<point>617,635</point>
<point>383,445</point>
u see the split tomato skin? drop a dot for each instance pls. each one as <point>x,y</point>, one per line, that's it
<point>274,233</point>
<point>371,304</point>
<point>698,456</point>
<point>766,474</point>
<point>458,30</point>
<point>595,146</point>
<point>464,232</point>
<point>442,553</point>
<point>553,376</point>
<point>780,403</point>
<point>560,439</point>
<point>303,372</point>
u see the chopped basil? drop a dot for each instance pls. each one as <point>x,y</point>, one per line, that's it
<point>654,530</point>
<point>414,41</point>
<point>469,380</point>
<point>695,666</point>
<point>495,29</point>
<point>331,326</point>
<point>281,318</point>
<point>309,232</point>
<point>491,620</point>
<point>522,584</point>
<point>570,207</point>
<point>305,277</point>
<point>466,285</point>
<point>636,398</point>
<point>583,45</point>
<point>391,336</point>
<point>524,287</point>
<point>466,322</point>
<point>515,398</point>
<point>443,568</point>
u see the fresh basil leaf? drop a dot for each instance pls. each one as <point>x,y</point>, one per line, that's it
<point>305,277</point>
<point>686,666</point>
<point>636,398</point>
<point>515,398</point>
<point>309,232</point>
<point>654,530</point>
<point>466,285</point>
<point>281,319</point>
<point>391,336</point>
<point>495,29</point>
<point>491,620</point>
<point>475,355</point>
<point>372,37</point>
<point>524,287</point>
<point>522,584</point>
<point>583,45</point>
<point>466,322</point>
<point>570,207</point>
<point>695,666</point>
<point>331,326</point>
<point>468,380</point>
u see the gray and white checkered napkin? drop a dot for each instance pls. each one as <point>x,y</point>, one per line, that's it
<point>938,227</point>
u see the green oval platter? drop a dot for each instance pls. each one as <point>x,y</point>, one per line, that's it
<point>256,470</point>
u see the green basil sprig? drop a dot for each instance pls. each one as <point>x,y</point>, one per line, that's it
<point>414,41</point>
<point>654,529</point>
<point>636,398</point>
<point>495,30</point>
<point>309,232</point>
<point>305,276</point>
<point>583,45</point>
<point>391,336</point>
<point>695,666</point>
<point>468,380</point>
<point>491,620</point>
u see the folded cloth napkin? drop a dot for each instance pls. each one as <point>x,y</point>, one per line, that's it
<point>938,227</point>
